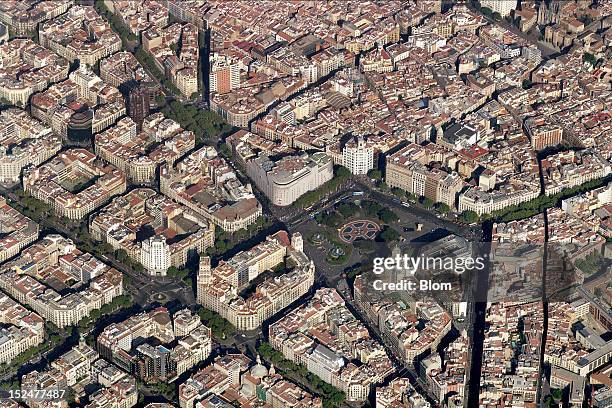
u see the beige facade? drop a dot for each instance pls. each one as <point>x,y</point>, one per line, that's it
<point>217,289</point>
<point>48,183</point>
<point>286,180</point>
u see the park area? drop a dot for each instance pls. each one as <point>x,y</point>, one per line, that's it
<point>352,226</point>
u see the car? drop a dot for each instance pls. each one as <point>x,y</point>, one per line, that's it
<point>408,229</point>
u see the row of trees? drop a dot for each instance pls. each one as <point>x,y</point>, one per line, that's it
<point>513,212</point>
<point>122,257</point>
<point>332,397</point>
<point>341,175</point>
<point>226,241</point>
<point>220,327</point>
<point>116,23</point>
<point>42,214</point>
<point>533,207</point>
<point>51,342</point>
<point>180,273</point>
<point>487,11</point>
<point>120,302</point>
<point>543,202</point>
<point>128,37</point>
<point>147,61</point>
<point>204,123</point>
<point>374,209</point>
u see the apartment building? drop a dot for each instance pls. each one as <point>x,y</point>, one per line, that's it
<point>53,265</point>
<point>177,233</point>
<point>24,141</point>
<point>407,170</point>
<point>28,68</point>
<point>325,337</point>
<point>141,153</point>
<point>218,289</point>
<point>80,34</point>
<point>191,339</point>
<point>208,185</point>
<point>16,231</point>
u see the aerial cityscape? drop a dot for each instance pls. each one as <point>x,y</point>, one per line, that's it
<point>305,203</point>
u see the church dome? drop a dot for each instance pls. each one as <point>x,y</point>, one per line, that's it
<point>259,370</point>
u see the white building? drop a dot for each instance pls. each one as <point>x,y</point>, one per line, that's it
<point>285,180</point>
<point>324,363</point>
<point>358,157</point>
<point>503,7</point>
<point>155,255</point>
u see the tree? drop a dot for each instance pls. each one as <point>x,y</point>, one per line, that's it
<point>442,207</point>
<point>398,192</point>
<point>387,215</point>
<point>389,235</point>
<point>342,172</point>
<point>341,175</point>
<point>375,174</point>
<point>121,255</point>
<point>331,219</point>
<point>590,58</point>
<point>172,272</point>
<point>105,248</point>
<point>347,209</point>
<point>426,202</point>
<point>557,394</point>
<point>469,216</point>
<point>548,401</point>
<point>226,150</point>
<point>127,280</point>
<point>371,208</point>
<point>585,19</point>
<point>527,83</point>
<point>217,324</point>
<point>411,196</point>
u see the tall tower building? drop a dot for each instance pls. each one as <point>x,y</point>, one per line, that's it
<point>358,157</point>
<point>204,277</point>
<point>155,255</point>
<point>139,105</point>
